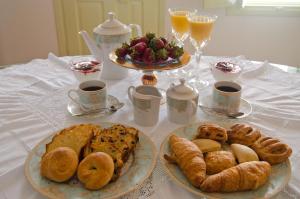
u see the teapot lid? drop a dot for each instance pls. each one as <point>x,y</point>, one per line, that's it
<point>182,91</point>
<point>112,26</point>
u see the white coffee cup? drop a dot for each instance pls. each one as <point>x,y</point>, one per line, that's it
<point>91,95</point>
<point>146,104</point>
<point>227,96</point>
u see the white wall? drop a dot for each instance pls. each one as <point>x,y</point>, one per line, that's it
<point>276,39</point>
<point>27,30</point>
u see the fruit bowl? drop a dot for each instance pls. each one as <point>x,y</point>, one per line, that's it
<point>169,64</point>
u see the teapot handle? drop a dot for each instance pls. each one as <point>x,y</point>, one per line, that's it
<point>138,29</point>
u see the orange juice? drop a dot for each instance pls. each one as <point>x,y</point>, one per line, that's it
<point>180,22</point>
<point>200,30</point>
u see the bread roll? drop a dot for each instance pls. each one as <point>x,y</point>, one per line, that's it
<point>243,153</point>
<point>59,164</point>
<point>207,145</point>
<point>95,170</point>
<point>218,161</point>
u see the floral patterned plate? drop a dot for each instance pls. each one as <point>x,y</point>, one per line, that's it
<point>280,173</point>
<point>140,168</point>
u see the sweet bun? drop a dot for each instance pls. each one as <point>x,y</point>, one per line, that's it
<point>218,161</point>
<point>272,150</point>
<point>59,164</point>
<point>96,170</point>
<point>243,134</point>
<point>243,153</point>
<point>212,131</point>
<point>207,145</point>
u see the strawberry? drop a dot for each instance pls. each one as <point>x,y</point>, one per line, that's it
<point>175,52</point>
<point>164,40</point>
<point>121,53</point>
<point>161,55</point>
<point>135,56</point>
<point>139,47</point>
<point>148,56</point>
<point>137,40</point>
<point>156,44</point>
<point>150,35</point>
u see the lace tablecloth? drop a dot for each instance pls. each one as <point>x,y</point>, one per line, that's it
<point>33,101</point>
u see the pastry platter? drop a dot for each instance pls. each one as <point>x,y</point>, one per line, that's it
<point>135,171</point>
<point>280,173</point>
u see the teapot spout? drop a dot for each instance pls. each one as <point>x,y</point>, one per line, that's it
<point>95,51</point>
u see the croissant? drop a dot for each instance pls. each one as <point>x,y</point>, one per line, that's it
<point>271,150</point>
<point>245,176</point>
<point>213,132</point>
<point>243,134</point>
<point>189,158</point>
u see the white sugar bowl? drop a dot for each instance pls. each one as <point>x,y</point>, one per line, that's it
<point>182,103</point>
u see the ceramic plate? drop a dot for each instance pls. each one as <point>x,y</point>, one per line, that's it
<point>280,173</point>
<point>139,170</point>
<point>75,110</point>
<point>206,101</point>
<point>168,65</point>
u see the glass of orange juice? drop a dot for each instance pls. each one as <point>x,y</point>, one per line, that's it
<point>200,28</point>
<point>180,24</point>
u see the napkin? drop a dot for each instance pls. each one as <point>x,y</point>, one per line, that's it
<point>253,73</point>
<point>56,60</point>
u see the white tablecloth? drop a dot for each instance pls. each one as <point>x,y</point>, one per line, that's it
<point>33,104</point>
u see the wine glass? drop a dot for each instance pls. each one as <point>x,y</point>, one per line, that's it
<point>200,27</point>
<point>180,25</point>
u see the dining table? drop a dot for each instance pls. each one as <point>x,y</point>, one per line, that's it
<point>33,105</point>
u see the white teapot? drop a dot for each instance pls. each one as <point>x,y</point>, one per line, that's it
<point>182,103</point>
<point>109,36</point>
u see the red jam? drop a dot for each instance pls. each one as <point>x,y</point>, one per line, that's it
<point>86,66</point>
<point>227,67</point>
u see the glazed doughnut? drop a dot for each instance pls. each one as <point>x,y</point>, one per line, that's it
<point>60,164</point>
<point>95,170</point>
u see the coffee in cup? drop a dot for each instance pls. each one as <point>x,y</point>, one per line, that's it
<point>227,96</point>
<point>91,95</point>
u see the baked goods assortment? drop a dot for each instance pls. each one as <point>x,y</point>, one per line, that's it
<point>59,164</point>
<point>243,153</point>
<point>217,161</point>
<point>118,141</point>
<point>243,177</point>
<point>244,165</point>
<point>95,170</point>
<point>189,158</point>
<point>271,150</point>
<point>207,145</point>
<point>213,132</point>
<point>267,148</point>
<point>243,134</point>
<point>97,155</point>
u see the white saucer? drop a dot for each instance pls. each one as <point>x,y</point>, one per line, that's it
<point>206,101</point>
<point>75,110</point>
